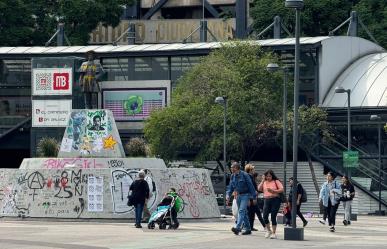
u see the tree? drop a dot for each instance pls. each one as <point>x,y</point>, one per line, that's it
<point>194,122</point>
<point>313,130</point>
<point>320,17</point>
<point>25,22</point>
<point>137,147</point>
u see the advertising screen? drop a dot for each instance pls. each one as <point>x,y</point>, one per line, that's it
<point>133,104</point>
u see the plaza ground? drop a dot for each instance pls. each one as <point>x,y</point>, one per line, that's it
<point>367,232</point>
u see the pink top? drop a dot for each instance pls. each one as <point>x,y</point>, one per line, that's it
<point>275,185</point>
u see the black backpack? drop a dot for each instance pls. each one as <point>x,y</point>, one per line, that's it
<point>304,196</point>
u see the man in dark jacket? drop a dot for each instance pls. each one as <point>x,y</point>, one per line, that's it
<point>140,193</point>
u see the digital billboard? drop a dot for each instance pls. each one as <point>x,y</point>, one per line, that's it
<point>133,104</point>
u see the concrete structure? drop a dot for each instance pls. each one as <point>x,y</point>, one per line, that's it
<point>99,193</point>
<point>92,163</point>
<point>91,133</point>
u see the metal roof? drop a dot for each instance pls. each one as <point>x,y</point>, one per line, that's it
<point>367,80</point>
<point>150,47</point>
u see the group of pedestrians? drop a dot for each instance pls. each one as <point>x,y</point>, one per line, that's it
<point>244,187</point>
<point>331,194</point>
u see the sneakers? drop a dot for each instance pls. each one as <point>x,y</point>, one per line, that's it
<point>253,229</point>
<point>305,223</point>
<point>345,223</point>
<point>322,222</point>
<point>349,222</point>
<point>267,234</point>
<point>235,231</point>
<point>332,229</point>
<point>273,236</point>
<point>138,226</point>
<point>246,232</point>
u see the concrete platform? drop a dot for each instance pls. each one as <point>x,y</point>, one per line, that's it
<point>367,232</point>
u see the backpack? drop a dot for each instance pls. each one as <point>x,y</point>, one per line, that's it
<point>304,196</point>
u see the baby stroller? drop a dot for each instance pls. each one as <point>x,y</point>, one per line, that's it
<point>162,216</point>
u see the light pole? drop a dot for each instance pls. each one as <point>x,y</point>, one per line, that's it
<point>223,101</point>
<point>273,67</point>
<point>295,233</point>
<point>377,119</point>
<point>348,92</point>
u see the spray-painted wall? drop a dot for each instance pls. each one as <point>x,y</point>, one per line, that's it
<point>92,163</point>
<point>99,193</point>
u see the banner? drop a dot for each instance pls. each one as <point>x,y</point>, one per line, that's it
<point>51,113</point>
<point>134,104</point>
<point>52,81</point>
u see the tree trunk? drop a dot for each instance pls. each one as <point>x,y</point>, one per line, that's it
<point>311,167</point>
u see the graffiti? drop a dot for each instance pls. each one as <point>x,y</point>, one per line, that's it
<point>190,191</point>
<point>121,181</point>
<point>61,184</point>
<point>35,182</point>
<point>84,163</point>
<point>76,178</point>
<point>100,193</point>
<point>115,163</point>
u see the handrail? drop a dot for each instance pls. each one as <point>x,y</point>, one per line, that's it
<point>334,169</point>
<point>17,126</point>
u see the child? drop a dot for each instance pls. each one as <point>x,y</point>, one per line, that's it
<point>287,214</point>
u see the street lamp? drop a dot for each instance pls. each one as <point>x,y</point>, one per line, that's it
<point>377,119</point>
<point>348,91</point>
<point>273,67</point>
<point>223,101</point>
<point>295,233</point>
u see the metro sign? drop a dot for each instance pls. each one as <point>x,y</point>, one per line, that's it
<point>52,81</point>
<point>61,81</point>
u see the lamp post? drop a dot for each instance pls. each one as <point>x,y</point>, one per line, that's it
<point>295,233</point>
<point>377,119</point>
<point>273,67</point>
<point>223,101</point>
<point>348,91</point>
<point>349,136</point>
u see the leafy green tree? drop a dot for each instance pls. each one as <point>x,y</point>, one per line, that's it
<point>193,122</point>
<point>374,16</point>
<point>320,17</point>
<point>25,22</point>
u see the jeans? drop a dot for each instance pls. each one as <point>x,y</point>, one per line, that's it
<point>243,218</point>
<point>271,206</point>
<point>347,210</point>
<point>331,212</point>
<point>138,211</point>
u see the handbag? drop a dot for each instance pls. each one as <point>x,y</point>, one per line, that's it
<point>130,200</point>
<point>280,195</point>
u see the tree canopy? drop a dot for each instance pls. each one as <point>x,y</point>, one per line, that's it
<point>194,122</point>
<point>320,17</point>
<point>25,22</point>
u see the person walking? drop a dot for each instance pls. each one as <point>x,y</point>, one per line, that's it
<point>330,194</point>
<point>241,183</point>
<point>271,188</point>
<point>348,193</point>
<point>300,193</point>
<point>253,209</point>
<point>140,193</point>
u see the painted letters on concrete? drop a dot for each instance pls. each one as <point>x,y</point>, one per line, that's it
<point>67,192</point>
